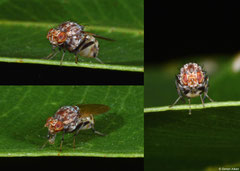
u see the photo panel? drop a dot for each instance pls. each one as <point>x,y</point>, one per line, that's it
<point>191,87</point>
<point>95,122</point>
<point>71,42</point>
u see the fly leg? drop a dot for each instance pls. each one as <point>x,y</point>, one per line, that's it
<point>62,141</point>
<point>96,132</point>
<point>74,137</point>
<point>189,101</point>
<point>202,100</point>
<point>206,95</point>
<point>74,140</point>
<point>206,90</point>
<point>51,55</point>
<point>76,58</point>
<point>179,93</point>
<point>99,60</point>
<point>175,101</point>
<point>62,57</point>
<point>44,144</point>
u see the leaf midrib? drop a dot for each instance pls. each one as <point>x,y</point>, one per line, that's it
<point>77,153</point>
<point>193,106</point>
<point>73,64</point>
<point>139,32</point>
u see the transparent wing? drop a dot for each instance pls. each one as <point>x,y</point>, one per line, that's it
<point>101,37</point>
<point>94,109</point>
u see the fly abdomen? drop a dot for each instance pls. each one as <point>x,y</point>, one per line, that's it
<point>88,47</point>
<point>84,126</point>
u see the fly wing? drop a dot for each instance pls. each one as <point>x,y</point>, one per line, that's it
<point>101,37</point>
<point>92,109</point>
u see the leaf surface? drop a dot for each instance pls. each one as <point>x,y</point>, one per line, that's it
<point>24,25</point>
<point>25,109</point>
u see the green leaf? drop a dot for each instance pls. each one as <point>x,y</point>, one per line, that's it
<point>207,139</point>
<point>24,25</point>
<point>195,106</point>
<point>25,109</point>
<point>175,140</point>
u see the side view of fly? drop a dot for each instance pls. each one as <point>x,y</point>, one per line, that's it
<point>69,119</point>
<point>191,82</point>
<point>69,36</point>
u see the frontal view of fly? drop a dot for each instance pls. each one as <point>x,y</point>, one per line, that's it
<point>191,82</point>
<point>69,119</point>
<point>69,36</point>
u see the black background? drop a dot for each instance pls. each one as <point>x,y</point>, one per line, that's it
<point>35,74</point>
<point>182,29</point>
<point>68,163</point>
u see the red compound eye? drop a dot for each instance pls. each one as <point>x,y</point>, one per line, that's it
<point>48,121</point>
<point>62,37</point>
<point>49,33</point>
<point>185,79</point>
<point>199,77</point>
<point>59,126</point>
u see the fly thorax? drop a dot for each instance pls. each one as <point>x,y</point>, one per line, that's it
<point>194,93</point>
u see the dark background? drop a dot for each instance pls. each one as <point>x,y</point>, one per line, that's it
<point>181,29</point>
<point>35,74</point>
<point>77,163</point>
